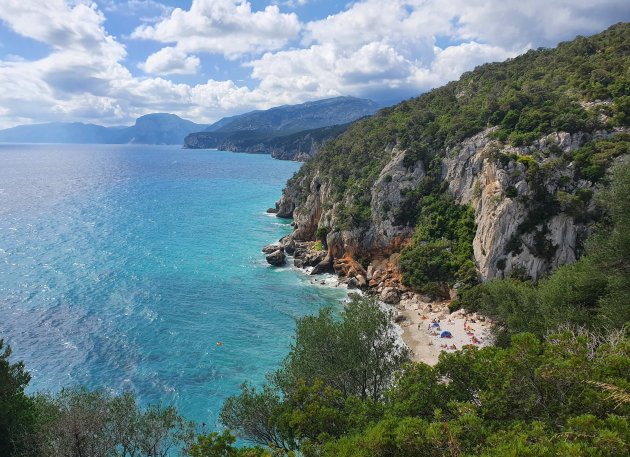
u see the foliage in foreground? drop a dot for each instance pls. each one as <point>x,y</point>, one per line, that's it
<point>535,398</point>
<point>565,395</point>
<point>336,364</point>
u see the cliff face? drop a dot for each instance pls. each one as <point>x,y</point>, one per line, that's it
<point>480,172</point>
<point>494,172</point>
<point>504,198</point>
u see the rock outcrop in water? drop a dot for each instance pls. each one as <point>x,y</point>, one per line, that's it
<point>277,257</point>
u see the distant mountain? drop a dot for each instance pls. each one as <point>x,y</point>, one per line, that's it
<point>294,146</point>
<point>56,132</point>
<point>289,132</point>
<point>158,128</point>
<point>296,118</point>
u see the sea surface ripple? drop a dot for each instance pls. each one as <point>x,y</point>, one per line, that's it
<point>121,267</point>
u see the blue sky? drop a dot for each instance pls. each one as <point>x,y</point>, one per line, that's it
<point>110,61</point>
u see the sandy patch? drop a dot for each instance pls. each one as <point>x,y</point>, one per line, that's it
<point>424,323</point>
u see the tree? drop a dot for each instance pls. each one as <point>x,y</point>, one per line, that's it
<point>252,415</point>
<point>222,445</point>
<point>79,422</point>
<point>334,365</point>
<point>356,354</point>
<point>16,411</point>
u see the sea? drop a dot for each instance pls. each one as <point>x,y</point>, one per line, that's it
<point>138,268</point>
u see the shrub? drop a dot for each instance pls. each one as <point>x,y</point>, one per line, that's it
<point>511,192</point>
<point>441,250</point>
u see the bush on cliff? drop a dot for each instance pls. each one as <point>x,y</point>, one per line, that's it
<point>441,249</point>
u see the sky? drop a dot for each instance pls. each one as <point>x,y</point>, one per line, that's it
<point>111,61</point>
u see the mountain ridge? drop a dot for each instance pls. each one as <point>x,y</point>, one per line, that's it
<point>154,128</point>
<point>287,132</point>
<point>299,117</point>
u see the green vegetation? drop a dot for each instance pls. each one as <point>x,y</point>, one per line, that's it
<point>535,398</point>
<point>441,250</point>
<point>527,97</point>
<point>593,292</point>
<point>320,235</point>
<point>593,159</point>
<point>337,367</point>
<point>78,422</point>
<point>15,407</point>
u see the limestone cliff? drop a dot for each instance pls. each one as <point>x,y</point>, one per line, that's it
<point>507,157</point>
<point>525,143</point>
<point>497,189</point>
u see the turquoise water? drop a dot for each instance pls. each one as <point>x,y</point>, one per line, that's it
<point>122,266</point>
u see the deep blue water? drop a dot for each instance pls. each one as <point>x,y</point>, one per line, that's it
<point>122,266</point>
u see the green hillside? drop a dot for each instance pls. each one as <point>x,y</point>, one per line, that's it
<point>581,88</point>
<point>539,92</point>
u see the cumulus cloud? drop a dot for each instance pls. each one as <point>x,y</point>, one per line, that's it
<point>405,47</point>
<point>170,61</point>
<point>383,50</point>
<point>515,24</point>
<point>227,27</point>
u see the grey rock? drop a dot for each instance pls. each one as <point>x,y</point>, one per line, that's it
<point>277,258</point>
<point>325,266</point>
<point>390,295</point>
<point>289,246</point>
<point>272,248</point>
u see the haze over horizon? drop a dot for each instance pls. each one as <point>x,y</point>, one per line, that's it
<point>109,62</point>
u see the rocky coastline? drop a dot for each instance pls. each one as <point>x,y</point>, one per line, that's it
<point>414,313</point>
<point>382,279</point>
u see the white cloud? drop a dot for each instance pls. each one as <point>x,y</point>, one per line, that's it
<point>515,24</point>
<point>227,27</point>
<point>54,23</point>
<point>408,46</point>
<point>170,61</point>
<point>376,49</point>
